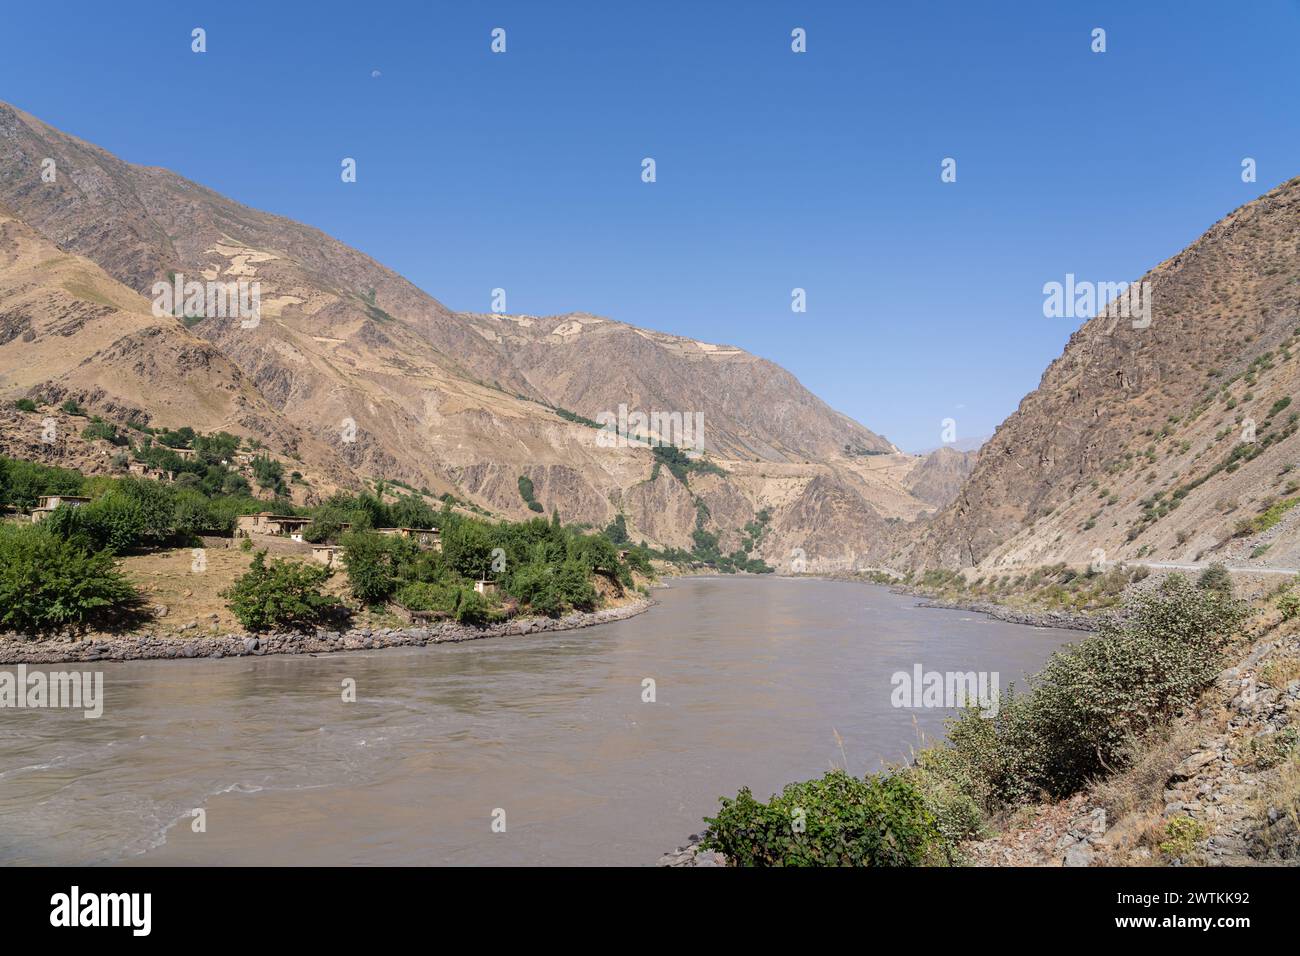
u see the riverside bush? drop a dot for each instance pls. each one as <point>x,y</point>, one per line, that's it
<point>282,594</point>
<point>47,582</point>
<point>375,563</point>
<point>839,820</point>
<point>1094,699</point>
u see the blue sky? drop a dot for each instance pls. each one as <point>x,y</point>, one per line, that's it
<point>775,170</point>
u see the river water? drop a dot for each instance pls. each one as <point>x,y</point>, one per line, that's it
<point>758,682</point>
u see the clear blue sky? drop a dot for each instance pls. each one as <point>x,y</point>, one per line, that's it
<point>775,170</point>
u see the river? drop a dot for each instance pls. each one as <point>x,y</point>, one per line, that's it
<point>757,681</point>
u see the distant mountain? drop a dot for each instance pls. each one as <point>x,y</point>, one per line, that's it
<point>939,476</point>
<point>961,444</point>
<point>357,374</point>
<point>1170,442</point>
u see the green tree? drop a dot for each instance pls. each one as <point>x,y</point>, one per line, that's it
<point>282,594</point>
<point>375,563</point>
<point>47,582</point>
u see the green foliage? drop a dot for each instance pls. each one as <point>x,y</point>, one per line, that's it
<point>1183,833</point>
<point>428,596</point>
<point>70,407</point>
<point>526,492</point>
<point>283,594</point>
<point>552,589</point>
<point>680,464</point>
<point>1289,605</point>
<point>25,405</point>
<point>1094,699</point>
<point>22,483</point>
<point>269,475</point>
<point>1215,578</point>
<point>182,437</point>
<point>375,563</point>
<point>838,820</point>
<point>616,531</point>
<point>1267,518</point>
<point>48,582</point>
<point>100,429</point>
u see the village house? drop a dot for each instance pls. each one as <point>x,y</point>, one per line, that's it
<point>47,503</point>
<point>429,539</point>
<point>330,555</point>
<point>267,523</point>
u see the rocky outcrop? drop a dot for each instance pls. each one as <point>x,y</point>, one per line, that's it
<point>1123,444</point>
<point>939,476</point>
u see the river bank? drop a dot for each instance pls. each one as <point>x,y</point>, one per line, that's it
<point>135,647</point>
<point>1067,620</point>
<point>1063,619</point>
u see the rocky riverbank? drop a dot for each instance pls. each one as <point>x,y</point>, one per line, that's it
<point>133,647</point>
<point>692,855</point>
<point>1013,615</point>
<point>1222,788</point>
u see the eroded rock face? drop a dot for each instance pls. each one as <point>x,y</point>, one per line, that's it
<point>939,476</point>
<point>1134,411</point>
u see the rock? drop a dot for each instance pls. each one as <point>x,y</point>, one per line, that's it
<point>1191,765</point>
<point>1078,855</point>
<point>251,644</point>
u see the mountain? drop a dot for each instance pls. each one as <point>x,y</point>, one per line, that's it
<point>938,477</point>
<point>1174,442</point>
<point>357,374</point>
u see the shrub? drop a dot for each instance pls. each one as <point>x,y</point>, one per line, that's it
<point>269,474</point>
<point>427,596</point>
<point>111,521</point>
<point>838,820</point>
<point>23,482</point>
<point>374,563</point>
<point>100,429</point>
<point>1093,699</point>
<point>25,405</point>
<point>471,607</point>
<point>46,582</point>
<point>282,594</point>
<point>526,492</point>
<point>1289,605</point>
<point>1183,834</point>
<point>1215,578</point>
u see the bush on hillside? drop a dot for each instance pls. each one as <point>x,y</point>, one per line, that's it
<point>1093,700</point>
<point>838,820</point>
<point>1215,578</point>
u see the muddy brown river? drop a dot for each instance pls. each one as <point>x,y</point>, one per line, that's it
<point>757,681</point>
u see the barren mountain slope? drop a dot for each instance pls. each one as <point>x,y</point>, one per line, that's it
<point>938,477</point>
<point>142,224</point>
<point>1137,443</point>
<point>354,368</point>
